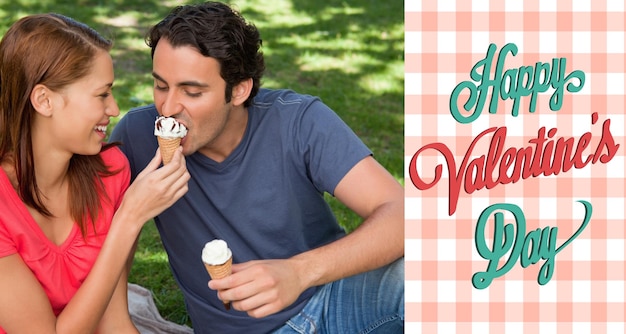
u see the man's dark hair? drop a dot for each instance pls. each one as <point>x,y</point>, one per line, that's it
<point>217,31</point>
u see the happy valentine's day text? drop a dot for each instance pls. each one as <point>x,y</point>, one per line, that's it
<point>545,155</point>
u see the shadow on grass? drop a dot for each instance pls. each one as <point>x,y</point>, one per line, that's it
<point>368,23</point>
<point>364,44</point>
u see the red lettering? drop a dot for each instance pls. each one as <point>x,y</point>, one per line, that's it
<point>546,155</point>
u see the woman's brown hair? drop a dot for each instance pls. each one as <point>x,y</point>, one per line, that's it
<point>52,50</point>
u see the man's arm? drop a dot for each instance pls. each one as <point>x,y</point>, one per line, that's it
<point>265,287</point>
<point>371,192</point>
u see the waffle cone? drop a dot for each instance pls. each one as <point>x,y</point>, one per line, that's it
<point>168,146</point>
<point>220,271</point>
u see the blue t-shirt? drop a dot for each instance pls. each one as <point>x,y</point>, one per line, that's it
<point>265,199</point>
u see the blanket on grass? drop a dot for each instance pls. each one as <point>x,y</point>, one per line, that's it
<point>145,314</point>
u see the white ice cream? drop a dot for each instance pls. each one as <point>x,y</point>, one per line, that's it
<point>168,127</point>
<point>216,252</point>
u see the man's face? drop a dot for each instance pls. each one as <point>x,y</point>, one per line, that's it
<point>188,86</point>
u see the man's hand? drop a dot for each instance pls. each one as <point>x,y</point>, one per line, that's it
<point>260,288</point>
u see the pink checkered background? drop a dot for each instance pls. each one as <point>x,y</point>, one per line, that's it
<point>443,41</point>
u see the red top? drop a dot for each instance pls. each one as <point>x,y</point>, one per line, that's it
<point>60,269</point>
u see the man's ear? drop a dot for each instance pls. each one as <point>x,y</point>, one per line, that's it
<point>241,91</point>
<point>41,99</point>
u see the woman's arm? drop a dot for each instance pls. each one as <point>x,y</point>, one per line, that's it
<point>24,306</point>
<point>152,191</point>
<point>116,318</point>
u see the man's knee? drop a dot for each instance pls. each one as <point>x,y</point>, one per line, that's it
<point>396,270</point>
<point>392,282</point>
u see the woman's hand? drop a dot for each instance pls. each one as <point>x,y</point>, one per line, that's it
<point>155,189</point>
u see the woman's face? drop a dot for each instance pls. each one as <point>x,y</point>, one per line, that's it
<point>82,110</point>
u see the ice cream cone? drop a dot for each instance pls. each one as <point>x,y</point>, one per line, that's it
<point>220,271</point>
<point>168,146</point>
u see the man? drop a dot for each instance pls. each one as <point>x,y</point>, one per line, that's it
<point>260,161</point>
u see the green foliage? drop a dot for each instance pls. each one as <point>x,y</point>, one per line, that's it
<point>348,52</point>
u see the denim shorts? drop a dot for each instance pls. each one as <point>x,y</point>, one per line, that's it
<point>372,302</point>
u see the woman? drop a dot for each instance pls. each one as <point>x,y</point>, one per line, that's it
<point>62,190</point>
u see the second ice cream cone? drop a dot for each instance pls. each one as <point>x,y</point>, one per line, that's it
<point>220,271</point>
<point>168,146</point>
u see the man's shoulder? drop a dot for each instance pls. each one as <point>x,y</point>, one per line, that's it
<point>137,123</point>
<point>286,103</point>
<point>134,120</point>
<point>141,112</point>
<point>267,97</point>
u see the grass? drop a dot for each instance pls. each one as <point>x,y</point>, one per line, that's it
<point>348,52</point>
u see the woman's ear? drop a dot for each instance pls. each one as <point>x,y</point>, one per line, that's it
<point>41,99</point>
<point>241,91</point>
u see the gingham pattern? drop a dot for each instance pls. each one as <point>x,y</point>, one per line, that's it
<point>443,41</point>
